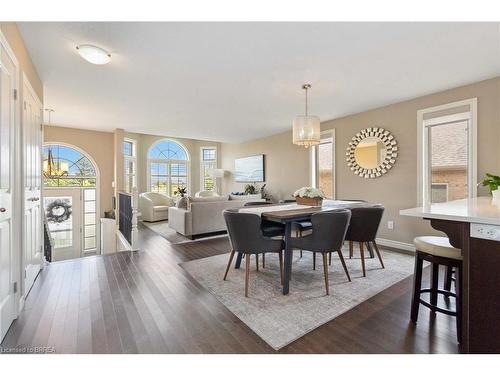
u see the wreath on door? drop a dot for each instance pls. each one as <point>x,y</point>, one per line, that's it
<point>58,211</point>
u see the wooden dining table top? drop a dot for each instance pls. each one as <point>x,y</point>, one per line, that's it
<point>297,213</point>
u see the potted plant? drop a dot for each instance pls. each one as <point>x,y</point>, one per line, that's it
<point>250,189</point>
<point>492,181</point>
<point>309,196</point>
<point>182,191</point>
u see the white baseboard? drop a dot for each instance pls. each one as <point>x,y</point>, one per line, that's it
<point>396,244</point>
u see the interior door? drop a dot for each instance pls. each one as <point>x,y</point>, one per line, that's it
<point>7,126</point>
<point>32,225</point>
<point>63,213</point>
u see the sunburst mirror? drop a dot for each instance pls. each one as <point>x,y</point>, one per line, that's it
<point>372,152</point>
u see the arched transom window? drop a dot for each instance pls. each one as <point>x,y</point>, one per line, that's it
<point>67,167</point>
<point>168,167</point>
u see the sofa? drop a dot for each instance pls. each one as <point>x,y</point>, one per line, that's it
<point>206,193</point>
<point>203,215</point>
<point>154,206</point>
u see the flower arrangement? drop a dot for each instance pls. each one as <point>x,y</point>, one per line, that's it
<point>309,196</point>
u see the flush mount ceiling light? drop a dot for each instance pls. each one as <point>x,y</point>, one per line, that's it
<point>94,54</point>
<point>306,128</point>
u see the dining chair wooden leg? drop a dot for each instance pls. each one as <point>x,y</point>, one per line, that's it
<point>229,263</point>
<point>362,252</point>
<point>280,255</point>
<point>247,273</point>
<point>350,249</point>
<point>263,260</point>
<point>301,253</point>
<point>314,260</point>
<point>343,264</point>
<point>257,262</point>
<point>330,258</point>
<point>325,272</point>
<point>378,254</point>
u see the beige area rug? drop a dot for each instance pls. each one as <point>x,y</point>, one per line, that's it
<point>280,319</point>
<point>162,228</point>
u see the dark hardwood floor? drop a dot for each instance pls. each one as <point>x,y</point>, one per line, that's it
<point>145,302</point>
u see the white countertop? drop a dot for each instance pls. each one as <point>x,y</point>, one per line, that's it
<point>482,210</point>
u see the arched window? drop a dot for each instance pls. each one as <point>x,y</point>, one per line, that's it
<point>168,167</point>
<point>65,166</point>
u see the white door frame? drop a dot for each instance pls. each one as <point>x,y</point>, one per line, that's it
<point>16,186</point>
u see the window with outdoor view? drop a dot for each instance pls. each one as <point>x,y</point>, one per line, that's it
<point>130,164</point>
<point>207,166</point>
<point>168,167</point>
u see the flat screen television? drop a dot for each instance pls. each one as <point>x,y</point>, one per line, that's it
<point>249,169</point>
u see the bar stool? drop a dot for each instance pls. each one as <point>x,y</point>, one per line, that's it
<point>437,251</point>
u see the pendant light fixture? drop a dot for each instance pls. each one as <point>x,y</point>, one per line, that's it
<point>306,128</point>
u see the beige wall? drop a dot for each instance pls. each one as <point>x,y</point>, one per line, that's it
<point>288,165</point>
<point>11,33</point>
<point>99,146</point>
<point>144,143</point>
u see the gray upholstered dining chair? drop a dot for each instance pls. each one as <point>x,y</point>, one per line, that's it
<point>363,229</point>
<point>246,236</point>
<point>328,232</point>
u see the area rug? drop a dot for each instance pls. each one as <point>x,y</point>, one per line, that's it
<point>162,228</point>
<point>280,319</point>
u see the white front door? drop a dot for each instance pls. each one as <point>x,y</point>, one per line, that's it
<point>63,213</point>
<point>7,126</point>
<point>32,225</point>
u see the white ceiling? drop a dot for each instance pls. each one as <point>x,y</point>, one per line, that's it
<point>238,81</point>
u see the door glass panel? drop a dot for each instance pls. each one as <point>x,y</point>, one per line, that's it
<point>449,158</point>
<point>59,211</point>
<point>90,231</point>
<point>89,194</point>
<point>89,219</point>
<point>90,207</point>
<point>89,243</point>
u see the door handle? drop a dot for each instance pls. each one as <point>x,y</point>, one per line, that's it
<point>33,199</point>
<point>2,209</point>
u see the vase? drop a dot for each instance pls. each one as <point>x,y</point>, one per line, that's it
<point>309,201</point>
<point>496,195</point>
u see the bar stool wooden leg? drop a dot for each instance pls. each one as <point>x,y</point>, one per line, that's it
<point>458,289</point>
<point>434,283</point>
<point>417,283</point>
<point>362,252</point>
<point>447,278</point>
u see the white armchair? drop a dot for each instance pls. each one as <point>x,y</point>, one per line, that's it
<point>154,206</point>
<point>206,193</point>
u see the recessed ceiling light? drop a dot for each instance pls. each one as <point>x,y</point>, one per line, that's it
<point>93,54</point>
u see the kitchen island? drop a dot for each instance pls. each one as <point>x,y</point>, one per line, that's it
<point>473,225</point>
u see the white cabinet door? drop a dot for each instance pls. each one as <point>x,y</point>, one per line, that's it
<point>7,126</point>
<point>32,224</point>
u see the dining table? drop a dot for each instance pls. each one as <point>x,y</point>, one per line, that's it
<point>287,214</point>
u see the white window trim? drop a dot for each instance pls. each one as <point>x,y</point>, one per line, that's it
<point>132,159</point>
<point>203,162</point>
<point>170,161</point>
<point>313,178</point>
<point>423,166</point>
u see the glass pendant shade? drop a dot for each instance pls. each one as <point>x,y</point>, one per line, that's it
<point>306,131</point>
